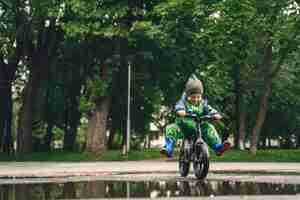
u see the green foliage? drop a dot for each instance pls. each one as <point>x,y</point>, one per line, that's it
<point>96,88</point>
<point>85,104</point>
<point>95,18</point>
<point>165,41</point>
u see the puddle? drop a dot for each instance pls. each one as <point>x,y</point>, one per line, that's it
<point>148,189</point>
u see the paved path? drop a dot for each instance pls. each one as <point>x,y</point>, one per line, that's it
<point>63,169</point>
<point>37,172</point>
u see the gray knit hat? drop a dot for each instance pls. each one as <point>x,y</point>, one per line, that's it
<point>193,86</point>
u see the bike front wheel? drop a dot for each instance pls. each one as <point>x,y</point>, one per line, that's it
<point>201,161</point>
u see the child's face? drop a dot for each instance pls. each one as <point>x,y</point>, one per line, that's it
<point>194,99</point>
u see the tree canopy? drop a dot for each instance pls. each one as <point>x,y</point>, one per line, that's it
<point>64,66</point>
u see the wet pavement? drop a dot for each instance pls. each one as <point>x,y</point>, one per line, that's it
<point>274,176</point>
<point>179,188</point>
<point>170,189</point>
<point>244,197</point>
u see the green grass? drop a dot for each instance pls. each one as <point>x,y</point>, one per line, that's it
<point>116,155</point>
<point>272,155</point>
<point>111,155</point>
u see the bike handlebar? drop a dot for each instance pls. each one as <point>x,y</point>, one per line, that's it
<point>201,118</point>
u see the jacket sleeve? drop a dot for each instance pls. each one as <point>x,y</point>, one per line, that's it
<point>180,105</point>
<point>207,109</point>
<point>211,110</point>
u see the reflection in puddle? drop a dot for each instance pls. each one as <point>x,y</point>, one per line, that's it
<point>120,189</point>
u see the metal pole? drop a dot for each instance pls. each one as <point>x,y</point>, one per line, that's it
<point>128,109</point>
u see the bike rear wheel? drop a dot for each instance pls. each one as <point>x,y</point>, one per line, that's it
<point>184,168</point>
<point>184,159</point>
<point>201,161</point>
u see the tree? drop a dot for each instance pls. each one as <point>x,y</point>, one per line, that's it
<point>284,49</point>
<point>109,25</point>
<point>253,30</point>
<point>42,40</point>
<point>10,56</point>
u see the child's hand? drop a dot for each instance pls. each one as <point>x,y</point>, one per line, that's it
<point>181,113</point>
<point>217,116</point>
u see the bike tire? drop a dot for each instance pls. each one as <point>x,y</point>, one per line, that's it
<point>201,163</point>
<point>184,161</point>
<point>184,168</point>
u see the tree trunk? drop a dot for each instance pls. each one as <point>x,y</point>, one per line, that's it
<point>147,144</point>
<point>6,125</point>
<point>260,118</point>
<point>70,137</point>
<point>66,124</point>
<point>111,137</point>
<point>2,114</point>
<point>50,124</point>
<point>72,122</point>
<point>240,110</point>
<point>39,55</point>
<point>38,72</point>
<point>24,137</point>
<point>7,74</point>
<point>242,129</point>
<point>48,137</point>
<point>70,142</point>
<point>124,138</point>
<point>269,143</point>
<point>96,134</point>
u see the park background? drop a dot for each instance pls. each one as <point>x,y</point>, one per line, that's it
<point>64,72</point>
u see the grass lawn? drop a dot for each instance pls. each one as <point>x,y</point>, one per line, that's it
<point>274,155</point>
<point>271,155</point>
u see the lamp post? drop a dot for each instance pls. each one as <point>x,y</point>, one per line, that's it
<point>128,109</point>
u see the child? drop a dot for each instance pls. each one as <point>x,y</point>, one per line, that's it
<point>191,102</point>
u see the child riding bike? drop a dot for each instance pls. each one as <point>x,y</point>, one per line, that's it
<point>192,102</point>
